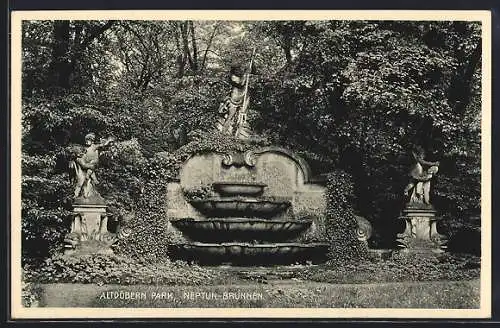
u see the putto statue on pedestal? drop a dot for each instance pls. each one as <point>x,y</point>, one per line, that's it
<point>420,234</point>
<point>89,227</point>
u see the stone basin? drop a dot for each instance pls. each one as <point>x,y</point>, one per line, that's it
<point>241,229</point>
<point>239,188</point>
<point>248,254</point>
<point>240,207</point>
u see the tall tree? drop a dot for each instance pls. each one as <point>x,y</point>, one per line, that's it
<point>71,40</point>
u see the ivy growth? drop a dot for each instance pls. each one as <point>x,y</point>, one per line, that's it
<point>340,220</point>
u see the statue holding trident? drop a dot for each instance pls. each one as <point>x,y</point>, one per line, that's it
<point>233,120</point>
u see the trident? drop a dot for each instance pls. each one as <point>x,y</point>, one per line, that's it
<point>242,115</point>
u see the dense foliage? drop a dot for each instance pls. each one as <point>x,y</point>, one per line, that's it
<point>340,221</point>
<point>349,95</point>
<point>150,237</point>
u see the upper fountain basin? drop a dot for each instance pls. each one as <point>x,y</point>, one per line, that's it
<point>239,188</point>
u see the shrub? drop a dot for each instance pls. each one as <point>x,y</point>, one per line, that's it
<point>340,221</point>
<point>30,292</point>
<point>199,192</point>
<point>112,269</point>
<point>44,213</point>
<point>204,142</point>
<point>398,269</point>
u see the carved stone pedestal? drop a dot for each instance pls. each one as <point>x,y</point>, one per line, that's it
<point>420,235</point>
<point>89,232</point>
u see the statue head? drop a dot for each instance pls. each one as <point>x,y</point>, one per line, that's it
<point>236,70</point>
<point>89,138</point>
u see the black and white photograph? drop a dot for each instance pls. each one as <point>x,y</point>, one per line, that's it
<point>258,164</point>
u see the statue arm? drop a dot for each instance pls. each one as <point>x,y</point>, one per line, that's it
<point>424,162</point>
<point>420,178</point>
<point>84,164</point>
<point>106,143</point>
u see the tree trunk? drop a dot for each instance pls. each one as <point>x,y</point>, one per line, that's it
<point>209,44</point>
<point>287,47</point>
<point>460,88</point>
<point>180,61</point>
<point>185,43</point>
<point>66,54</point>
<point>61,65</point>
<point>194,47</point>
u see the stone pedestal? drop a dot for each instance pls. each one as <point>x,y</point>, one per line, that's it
<point>420,234</point>
<point>89,232</point>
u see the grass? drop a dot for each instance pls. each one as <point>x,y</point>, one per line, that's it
<point>274,294</point>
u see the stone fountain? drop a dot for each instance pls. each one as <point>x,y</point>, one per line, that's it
<point>248,215</point>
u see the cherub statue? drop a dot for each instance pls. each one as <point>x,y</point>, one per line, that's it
<point>420,178</point>
<point>83,164</point>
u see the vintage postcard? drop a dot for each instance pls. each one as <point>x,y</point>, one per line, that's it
<point>250,164</point>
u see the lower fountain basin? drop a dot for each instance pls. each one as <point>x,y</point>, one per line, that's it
<point>239,188</point>
<point>250,254</point>
<point>240,207</point>
<point>241,229</point>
